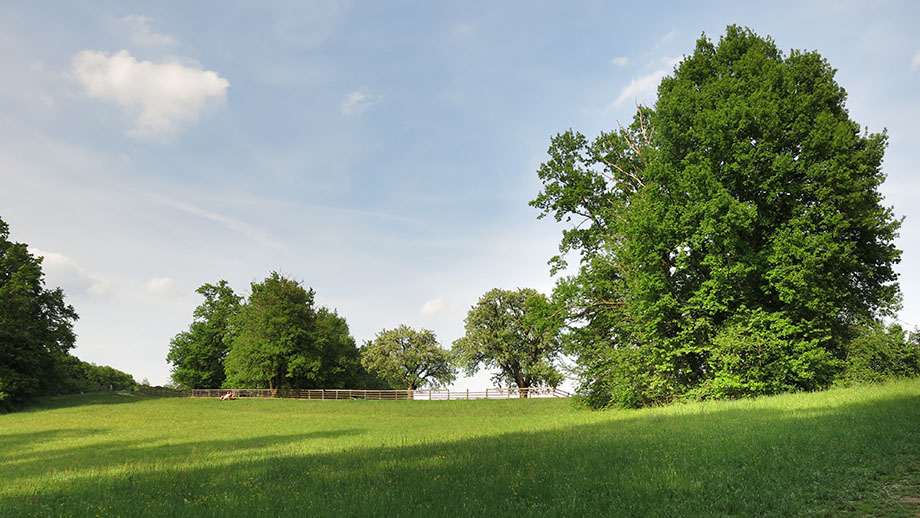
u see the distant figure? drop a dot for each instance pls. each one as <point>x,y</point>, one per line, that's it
<point>228,395</point>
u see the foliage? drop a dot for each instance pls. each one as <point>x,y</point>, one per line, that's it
<point>280,339</point>
<point>516,332</point>
<point>75,375</point>
<point>197,355</point>
<point>880,352</point>
<point>842,453</point>
<point>272,340</point>
<point>408,358</point>
<point>338,364</point>
<point>734,232</point>
<point>36,325</point>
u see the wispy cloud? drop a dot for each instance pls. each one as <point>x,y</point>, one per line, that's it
<point>251,231</point>
<point>162,97</point>
<point>621,61</point>
<point>162,287</point>
<point>358,102</point>
<point>667,38</point>
<point>643,89</point>
<point>143,35</point>
<point>915,63</point>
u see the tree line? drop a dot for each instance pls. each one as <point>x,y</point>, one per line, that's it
<point>36,335</point>
<point>731,241</point>
<point>278,337</point>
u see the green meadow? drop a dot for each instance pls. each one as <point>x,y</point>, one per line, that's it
<point>844,452</point>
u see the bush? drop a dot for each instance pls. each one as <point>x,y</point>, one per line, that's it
<point>626,378</point>
<point>761,353</point>
<point>880,352</point>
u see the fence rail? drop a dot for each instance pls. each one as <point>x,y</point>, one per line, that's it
<point>428,395</point>
<point>162,391</point>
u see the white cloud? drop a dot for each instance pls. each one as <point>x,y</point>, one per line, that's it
<point>144,35</point>
<point>358,102</point>
<point>162,287</point>
<point>915,63</point>
<point>643,89</point>
<point>621,61</point>
<point>161,96</point>
<point>61,271</point>
<point>434,307</point>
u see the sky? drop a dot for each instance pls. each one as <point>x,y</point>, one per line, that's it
<point>383,153</point>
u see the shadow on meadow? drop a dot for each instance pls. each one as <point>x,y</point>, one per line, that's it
<point>105,454</point>
<point>78,400</point>
<point>14,443</point>
<point>727,461</point>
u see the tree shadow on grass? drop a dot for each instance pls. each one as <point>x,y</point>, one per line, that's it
<point>76,400</point>
<point>728,462</point>
<point>14,443</point>
<point>105,455</point>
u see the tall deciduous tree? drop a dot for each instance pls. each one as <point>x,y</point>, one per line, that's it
<point>272,341</point>
<point>336,362</point>
<point>406,357</point>
<point>197,355</point>
<point>515,332</point>
<point>279,338</point>
<point>36,325</point>
<point>732,238</point>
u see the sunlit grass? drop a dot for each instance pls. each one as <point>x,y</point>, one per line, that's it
<point>852,452</point>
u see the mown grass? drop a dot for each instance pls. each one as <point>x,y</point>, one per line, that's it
<point>853,452</point>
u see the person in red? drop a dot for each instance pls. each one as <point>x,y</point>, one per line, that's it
<point>228,395</point>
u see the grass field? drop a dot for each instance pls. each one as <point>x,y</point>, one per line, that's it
<point>853,452</point>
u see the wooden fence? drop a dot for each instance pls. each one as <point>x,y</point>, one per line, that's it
<point>426,395</point>
<point>162,391</point>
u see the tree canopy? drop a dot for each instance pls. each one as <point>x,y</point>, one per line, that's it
<point>732,239</point>
<point>272,342</point>
<point>279,338</point>
<point>515,332</point>
<point>197,355</point>
<point>36,325</point>
<point>409,358</point>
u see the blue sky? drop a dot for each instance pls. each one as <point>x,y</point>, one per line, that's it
<point>381,152</point>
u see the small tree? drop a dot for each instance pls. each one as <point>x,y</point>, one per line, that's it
<point>516,332</point>
<point>197,355</point>
<point>404,356</point>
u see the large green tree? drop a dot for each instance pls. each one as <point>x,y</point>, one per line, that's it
<point>272,342</point>
<point>36,325</point>
<point>517,333</point>
<point>731,239</point>
<point>197,355</point>
<point>409,358</point>
<point>280,339</point>
<point>337,359</point>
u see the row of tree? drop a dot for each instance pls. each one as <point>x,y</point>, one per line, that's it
<point>278,338</point>
<point>731,241</point>
<point>36,335</point>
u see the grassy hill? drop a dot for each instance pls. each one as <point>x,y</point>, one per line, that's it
<point>852,452</point>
